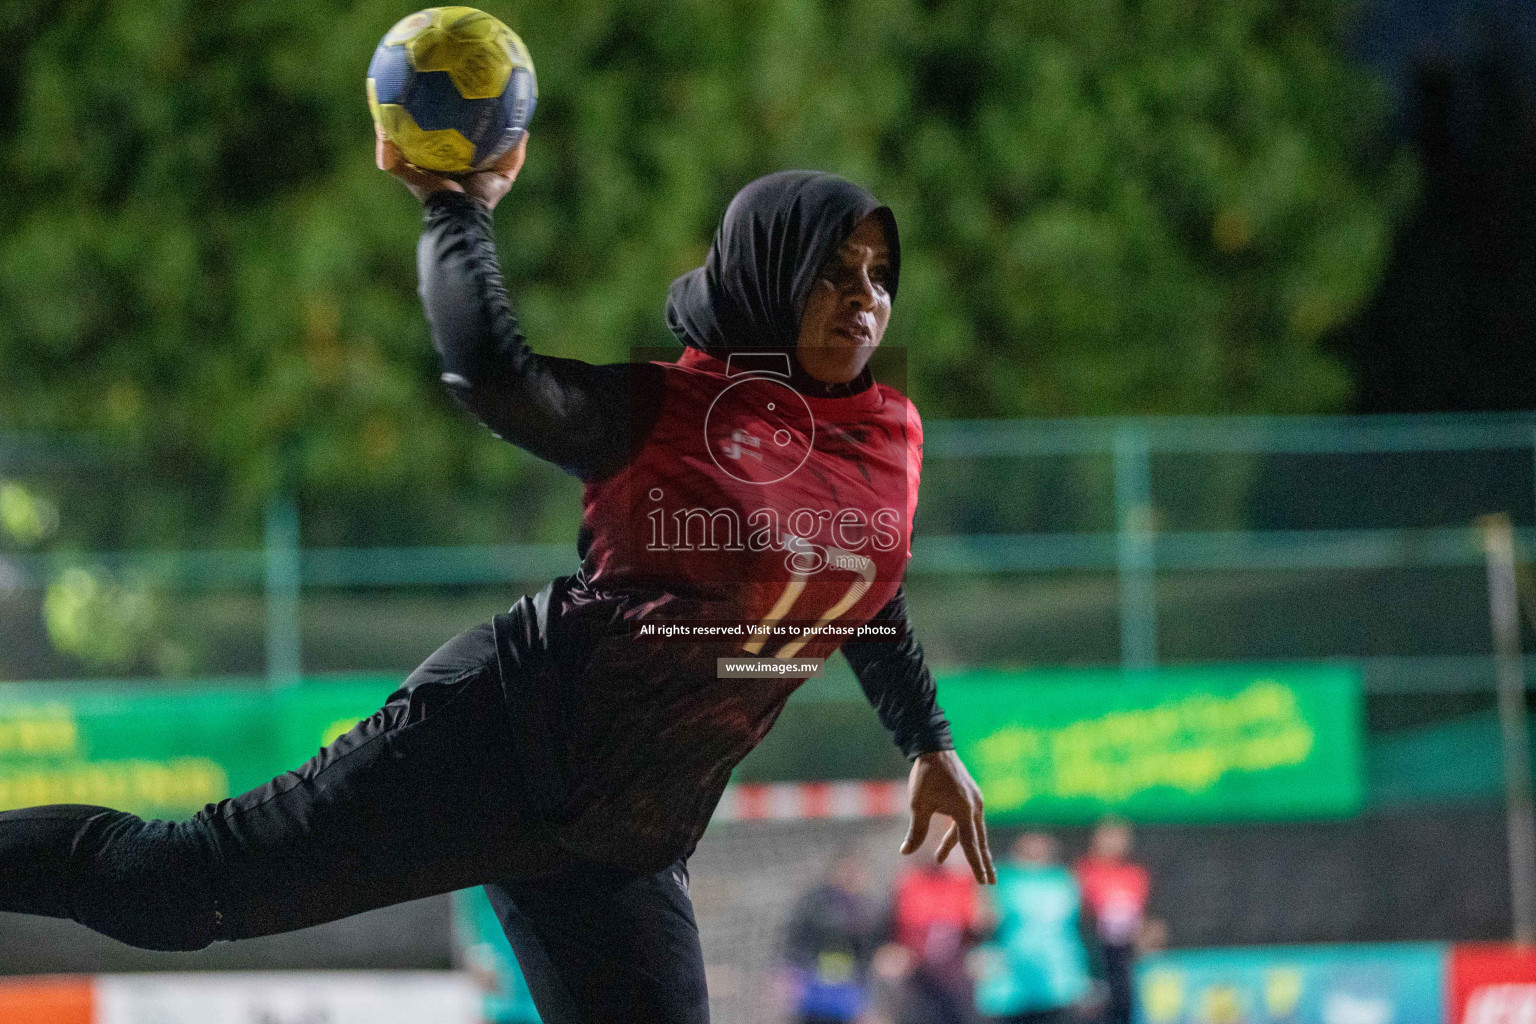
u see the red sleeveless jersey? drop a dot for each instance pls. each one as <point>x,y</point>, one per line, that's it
<point>749,502</point>
<point>744,502</point>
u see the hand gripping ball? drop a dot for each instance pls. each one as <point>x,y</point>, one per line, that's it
<point>453,88</point>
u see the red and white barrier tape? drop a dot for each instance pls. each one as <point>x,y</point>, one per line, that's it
<point>810,801</point>
<point>338,997</point>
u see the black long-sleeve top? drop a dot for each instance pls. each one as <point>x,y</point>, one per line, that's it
<point>588,419</point>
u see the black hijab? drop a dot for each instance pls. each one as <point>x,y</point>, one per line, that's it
<point>776,234</point>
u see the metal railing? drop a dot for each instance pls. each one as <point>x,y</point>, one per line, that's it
<point>1135,550</point>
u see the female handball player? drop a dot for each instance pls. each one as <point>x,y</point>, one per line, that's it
<point>747,508</point>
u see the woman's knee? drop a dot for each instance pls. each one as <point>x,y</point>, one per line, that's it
<point>147,883</point>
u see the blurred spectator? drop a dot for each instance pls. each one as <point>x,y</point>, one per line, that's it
<point>1036,969</point>
<point>832,937</point>
<point>1115,894</point>
<point>937,917</point>
<point>1153,937</point>
<point>485,954</point>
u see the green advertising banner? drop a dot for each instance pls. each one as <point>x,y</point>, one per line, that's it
<point>1045,746</point>
<point>1177,744</point>
<point>166,752</point>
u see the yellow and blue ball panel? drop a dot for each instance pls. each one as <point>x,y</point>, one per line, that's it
<point>453,87</point>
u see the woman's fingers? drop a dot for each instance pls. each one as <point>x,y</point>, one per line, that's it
<point>986,851</point>
<point>512,160</point>
<point>917,831</point>
<point>966,830</point>
<point>421,183</point>
<point>384,152</point>
<point>950,839</point>
<point>964,833</point>
<point>490,185</point>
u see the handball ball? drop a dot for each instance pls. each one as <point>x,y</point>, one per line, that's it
<point>453,88</point>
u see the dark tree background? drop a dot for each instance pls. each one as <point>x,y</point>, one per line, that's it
<point>1107,208</point>
<point>1452,324</point>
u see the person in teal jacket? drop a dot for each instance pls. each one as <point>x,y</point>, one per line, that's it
<point>1035,969</point>
<point>485,951</point>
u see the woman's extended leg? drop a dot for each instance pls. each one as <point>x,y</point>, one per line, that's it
<point>423,797</point>
<point>146,883</point>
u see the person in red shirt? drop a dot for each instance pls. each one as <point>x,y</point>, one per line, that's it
<point>564,754</point>
<point>1115,892</point>
<point>937,916</point>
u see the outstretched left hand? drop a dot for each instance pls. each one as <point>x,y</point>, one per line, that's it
<point>939,784</point>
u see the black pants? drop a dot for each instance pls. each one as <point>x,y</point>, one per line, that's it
<point>937,994</point>
<point>424,797</point>
<point>1119,976</point>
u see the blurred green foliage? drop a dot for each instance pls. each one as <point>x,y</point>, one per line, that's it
<point>105,624</point>
<point>1107,207</point>
<point>25,518</point>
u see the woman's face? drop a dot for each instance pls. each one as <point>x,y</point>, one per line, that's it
<point>849,307</point>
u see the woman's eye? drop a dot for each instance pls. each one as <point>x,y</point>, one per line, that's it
<point>847,278</point>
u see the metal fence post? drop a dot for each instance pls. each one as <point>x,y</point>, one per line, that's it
<point>1134,555</point>
<point>282,591</point>
<point>1504,610</point>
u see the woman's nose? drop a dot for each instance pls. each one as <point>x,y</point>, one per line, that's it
<point>861,293</point>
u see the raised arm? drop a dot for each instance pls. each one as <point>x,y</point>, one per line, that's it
<point>571,413</point>
<point>895,678</point>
